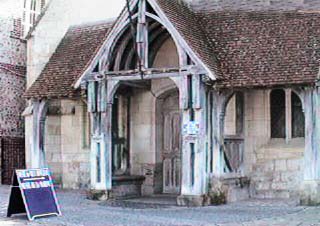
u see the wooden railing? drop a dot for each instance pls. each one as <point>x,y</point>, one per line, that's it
<point>233,149</point>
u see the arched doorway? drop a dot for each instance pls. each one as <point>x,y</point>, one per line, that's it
<point>169,142</point>
<point>233,133</point>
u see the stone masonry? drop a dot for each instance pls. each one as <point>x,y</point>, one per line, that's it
<point>274,167</point>
<point>67,132</point>
<point>12,71</point>
<point>12,79</point>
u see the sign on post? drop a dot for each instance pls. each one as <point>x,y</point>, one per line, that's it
<point>32,192</point>
<point>191,128</point>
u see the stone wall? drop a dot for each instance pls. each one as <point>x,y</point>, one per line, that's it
<point>167,55</point>
<point>74,149</point>
<point>12,71</point>
<point>142,143</point>
<point>256,125</point>
<point>53,141</point>
<point>11,104</point>
<point>230,118</point>
<point>274,165</point>
<point>67,147</point>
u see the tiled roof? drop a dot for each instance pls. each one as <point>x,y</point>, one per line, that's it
<point>189,26</point>
<point>243,49</point>
<point>68,62</point>
<point>257,49</point>
<point>254,5</point>
<point>251,49</point>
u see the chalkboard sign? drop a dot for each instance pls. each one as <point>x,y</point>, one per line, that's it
<point>32,192</point>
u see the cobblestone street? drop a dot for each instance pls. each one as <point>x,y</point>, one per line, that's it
<point>79,211</point>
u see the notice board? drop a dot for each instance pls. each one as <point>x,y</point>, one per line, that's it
<point>32,192</point>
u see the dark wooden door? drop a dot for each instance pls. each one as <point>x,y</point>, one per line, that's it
<point>12,157</point>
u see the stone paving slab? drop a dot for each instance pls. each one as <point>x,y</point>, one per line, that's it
<point>78,211</point>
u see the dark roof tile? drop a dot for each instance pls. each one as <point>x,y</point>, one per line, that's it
<point>265,48</point>
<point>71,58</point>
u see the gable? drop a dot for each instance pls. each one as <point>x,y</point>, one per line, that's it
<point>157,10</point>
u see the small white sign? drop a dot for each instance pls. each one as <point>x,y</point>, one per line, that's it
<point>191,128</point>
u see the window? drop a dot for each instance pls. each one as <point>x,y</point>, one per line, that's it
<point>287,117</point>
<point>31,11</point>
<point>234,117</point>
<point>298,121</point>
<point>278,113</point>
<point>17,28</point>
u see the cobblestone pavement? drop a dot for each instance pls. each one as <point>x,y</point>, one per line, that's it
<point>78,211</point>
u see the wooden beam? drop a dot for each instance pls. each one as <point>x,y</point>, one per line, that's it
<point>106,48</point>
<point>149,73</point>
<point>143,85</point>
<point>120,52</point>
<point>142,35</point>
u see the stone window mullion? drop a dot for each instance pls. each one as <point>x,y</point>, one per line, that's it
<point>288,115</point>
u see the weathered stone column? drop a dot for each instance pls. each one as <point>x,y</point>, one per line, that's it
<point>38,121</point>
<point>193,185</point>
<point>310,189</point>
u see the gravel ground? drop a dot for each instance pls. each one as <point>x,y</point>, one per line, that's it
<point>78,211</point>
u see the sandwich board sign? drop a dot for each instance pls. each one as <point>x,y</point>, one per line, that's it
<point>32,192</point>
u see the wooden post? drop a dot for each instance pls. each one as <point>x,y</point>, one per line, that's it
<point>193,145</point>
<point>288,115</point>
<point>218,115</point>
<point>310,189</point>
<point>312,120</point>
<point>142,35</point>
<point>100,109</point>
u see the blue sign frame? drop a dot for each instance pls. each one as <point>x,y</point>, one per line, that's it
<point>37,194</point>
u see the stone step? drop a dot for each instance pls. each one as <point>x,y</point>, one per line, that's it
<point>278,156</point>
<point>272,194</point>
<point>278,165</point>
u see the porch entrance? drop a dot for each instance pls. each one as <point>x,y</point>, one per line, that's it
<point>171,142</point>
